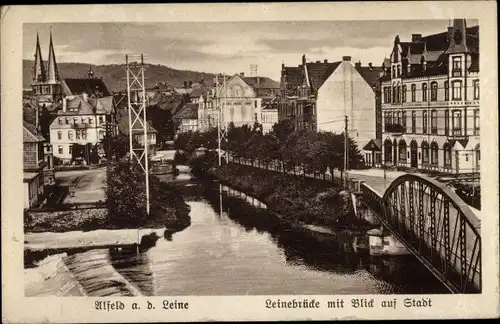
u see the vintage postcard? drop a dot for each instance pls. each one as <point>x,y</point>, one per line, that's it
<point>249,162</point>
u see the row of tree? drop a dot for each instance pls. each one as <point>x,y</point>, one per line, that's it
<point>314,151</point>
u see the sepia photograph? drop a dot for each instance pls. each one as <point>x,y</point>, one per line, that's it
<point>288,159</point>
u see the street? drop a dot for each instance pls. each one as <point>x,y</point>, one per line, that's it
<point>84,185</point>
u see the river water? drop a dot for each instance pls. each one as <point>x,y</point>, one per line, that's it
<point>236,248</point>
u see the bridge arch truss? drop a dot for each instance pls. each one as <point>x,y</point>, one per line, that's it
<point>435,225</point>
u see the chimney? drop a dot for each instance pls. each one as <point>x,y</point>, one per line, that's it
<point>283,66</point>
<point>357,65</point>
<point>416,37</point>
<point>304,59</point>
<point>450,30</point>
<point>65,104</point>
<point>370,66</point>
<point>326,61</point>
<point>185,84</point>
<point>346,58</point>
<point>190,84</point>
<point>242,74</point>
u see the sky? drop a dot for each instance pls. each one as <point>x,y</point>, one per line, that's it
<point>227,47</point>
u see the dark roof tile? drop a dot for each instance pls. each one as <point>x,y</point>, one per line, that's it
<point>263,83</point>
<point>90,86</point>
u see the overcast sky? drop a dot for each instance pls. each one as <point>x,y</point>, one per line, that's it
<point>226,47</point>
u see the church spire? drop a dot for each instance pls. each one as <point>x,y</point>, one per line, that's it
<point>53,73</point>
<point>39,70</point>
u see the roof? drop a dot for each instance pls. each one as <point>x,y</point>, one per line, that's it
<point>78,106</point>
<point>370,74</point>
<point>123,124</point>
<point>28,176</point>
<point>197,92</point>
<point>102,105</point>
<point>293,77</point>
<point>375,144</point>
<point>319,72</point>
<point>261,82</point>
<point>94,86</point>
<point>188,111</point>
<point>31,134</point>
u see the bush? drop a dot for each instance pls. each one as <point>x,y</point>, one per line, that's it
<point>180,157</point>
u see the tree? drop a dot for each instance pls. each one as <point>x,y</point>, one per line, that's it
<point>282,130</point>
<point>116,146</point>
<point>162,121</point>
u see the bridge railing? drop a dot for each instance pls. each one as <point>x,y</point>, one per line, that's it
<point>435,225</point>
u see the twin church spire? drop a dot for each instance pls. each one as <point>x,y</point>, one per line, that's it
<point>51,75</point>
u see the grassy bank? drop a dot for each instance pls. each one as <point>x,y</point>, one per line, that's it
<point>298,200</point>
<point>125,206</point>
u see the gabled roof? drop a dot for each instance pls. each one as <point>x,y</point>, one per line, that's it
<point>76,106</point>
<point>92,86</point>
<point>197,92</point>
<point>261,82</point>
<point>30,133</point>
<point>371,75</point>
<point>375,144</point>
<point>102,105</point>
<point>188,111</point>
<point>319,72</point>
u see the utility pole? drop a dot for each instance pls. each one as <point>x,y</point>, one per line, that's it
<point>221,93</point>
<point>346,149</point>
<point>136,96</point>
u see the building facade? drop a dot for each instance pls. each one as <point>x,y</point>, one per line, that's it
<point>269,115</point>
<point>82,120</point>
<point>430,102</point>
<point>33,164</point>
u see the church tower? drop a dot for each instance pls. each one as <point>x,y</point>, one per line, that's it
<point>46,83</point>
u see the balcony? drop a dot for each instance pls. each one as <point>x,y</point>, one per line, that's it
<point>457,134</point>
<point>395,129</point>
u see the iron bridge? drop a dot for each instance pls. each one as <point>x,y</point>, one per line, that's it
<point>436,226</point>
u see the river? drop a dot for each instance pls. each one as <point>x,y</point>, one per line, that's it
<point>236,249</point>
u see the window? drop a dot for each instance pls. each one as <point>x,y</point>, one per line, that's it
<point>399,71</point>
<point>77,134</point>
<point>84,120</point>
<point>433,122</point>
<point>424,91</point>
<point>67,120</point>
<point>91,120</point>
<point>402,150</point>
<point>71,149</point>
<point>434,91</point>
<point>476,122</point>
<point>413,93</point>
<point>425,153</point>
<point>394,71</point>
<point>456,122</point>
<point>456,90</point>
<point>70,135</point>
<point>403,98</point>
<point>59,135</point>
<point>413,122</point>
<point>404,120</point>
<point>101,134</point>
<point>476,89</point>
<point>60,149</point>
<point>446,90</point>
<point>478,156</point>
<point>457,66</point>
<point>434,153</point>
<point>467,157</point>
<point>398,94</point>
<point>75,120</point>
<point>393,94</point>
<point>446,122</point>
<point>424,122</point>
<point>447,155</point>
<point>101,121</point>
<point>84,134</point>
<point>60,121</point>
<point>389,94</point>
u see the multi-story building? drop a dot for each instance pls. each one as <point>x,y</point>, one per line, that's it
<point>319,95</point>
<point>269,115</point>
<point>82,120</point>
<point>33,164</point>
<point>431,102</point>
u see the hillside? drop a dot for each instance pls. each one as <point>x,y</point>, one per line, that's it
<point>114,75</point>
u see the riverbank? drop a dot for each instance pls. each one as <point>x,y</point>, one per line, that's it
<point>168,209</point>
<point>298,200</point>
